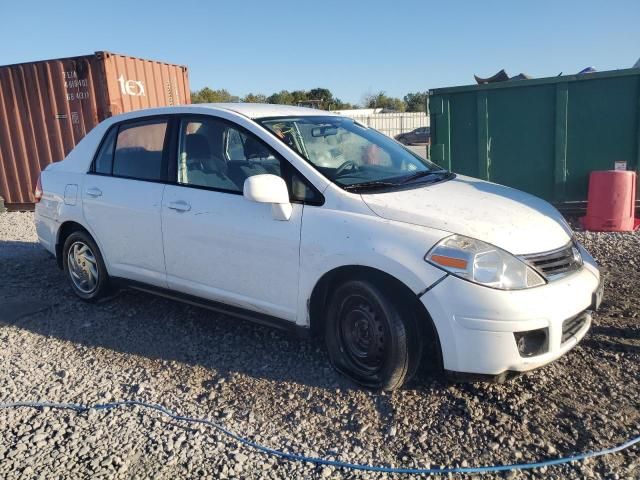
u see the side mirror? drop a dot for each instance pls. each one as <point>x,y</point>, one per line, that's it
<point>267,188</point>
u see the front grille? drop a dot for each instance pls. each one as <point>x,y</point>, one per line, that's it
<point>571,326</point>
<point>556,263</point>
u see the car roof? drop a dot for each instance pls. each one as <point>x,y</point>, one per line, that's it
<point>262,110</point>
<point>250,110</point>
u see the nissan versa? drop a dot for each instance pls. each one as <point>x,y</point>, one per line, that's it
<point>302,218</point>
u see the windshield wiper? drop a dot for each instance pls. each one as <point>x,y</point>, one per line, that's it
<point>401,181</point>
<point>425,173</point>
<point>369,185</point>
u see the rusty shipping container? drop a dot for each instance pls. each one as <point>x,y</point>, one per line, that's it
<point>46,107</point>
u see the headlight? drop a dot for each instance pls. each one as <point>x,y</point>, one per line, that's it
<point>482,263</point>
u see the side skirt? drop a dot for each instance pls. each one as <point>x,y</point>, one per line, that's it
<point>232,311</point>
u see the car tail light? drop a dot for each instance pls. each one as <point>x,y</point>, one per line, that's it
<point>38,191</point>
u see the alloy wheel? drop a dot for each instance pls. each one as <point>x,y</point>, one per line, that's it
<point>83,267</point>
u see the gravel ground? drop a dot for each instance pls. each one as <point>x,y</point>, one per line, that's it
<point>281,391</point>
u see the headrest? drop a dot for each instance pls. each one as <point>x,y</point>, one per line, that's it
<point>196,146</point>
<point>255,149</point>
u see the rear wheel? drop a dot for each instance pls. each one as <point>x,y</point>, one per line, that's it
<point>369,338</point>
<point>84,267</point>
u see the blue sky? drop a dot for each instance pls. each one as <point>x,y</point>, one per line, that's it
<point>350,47</point>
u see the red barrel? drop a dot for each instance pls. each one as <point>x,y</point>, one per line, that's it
<point>612,202</point>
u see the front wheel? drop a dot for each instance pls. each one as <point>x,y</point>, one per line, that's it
<point>404,141</point>
<point>84,267</point>
<point>370,339</point>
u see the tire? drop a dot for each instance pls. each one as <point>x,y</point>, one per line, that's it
<point>84,267</point>
<point>368,337</point>
<point>404,141</point>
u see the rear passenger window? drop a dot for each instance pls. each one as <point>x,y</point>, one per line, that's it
<point>138,152</point>
<point>104,160</point>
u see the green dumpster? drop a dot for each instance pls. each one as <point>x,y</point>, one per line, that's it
<point>543,136</point>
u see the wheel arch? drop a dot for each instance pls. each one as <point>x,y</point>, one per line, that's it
<point>330,280</point>
<point>321,293</point>
<point>66,229</point>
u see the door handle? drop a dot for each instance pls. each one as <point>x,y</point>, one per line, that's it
<point>180,206</point>
<point>94,192</point>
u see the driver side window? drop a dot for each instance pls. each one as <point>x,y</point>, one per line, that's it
<point>213,153</point>
<point>200,159</point>
<point>235,146</point>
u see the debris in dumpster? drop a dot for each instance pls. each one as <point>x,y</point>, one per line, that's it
<point>501,76</point>
<point>521,76</point>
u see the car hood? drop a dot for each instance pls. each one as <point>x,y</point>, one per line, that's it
<point>507,218</point>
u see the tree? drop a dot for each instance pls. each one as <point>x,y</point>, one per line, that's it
<point>340,105</point>
<point>207,95</point>
<point>324,95</point>
<point>320,97</point>
<point>299,96</point>
<point>381,100</point>
<point>283,97</point>
<point>326,99</point>
<point>416,102</point>
<point>257,98</point>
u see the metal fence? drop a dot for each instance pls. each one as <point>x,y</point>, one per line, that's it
<point>391,124</point>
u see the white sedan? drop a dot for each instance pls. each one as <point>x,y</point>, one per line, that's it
<point>300,218</point>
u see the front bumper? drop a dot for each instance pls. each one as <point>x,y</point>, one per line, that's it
<point>476,324</point>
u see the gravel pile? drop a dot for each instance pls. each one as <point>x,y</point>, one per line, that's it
<point>281,391</point>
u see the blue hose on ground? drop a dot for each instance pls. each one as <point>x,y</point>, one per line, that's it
<point>316,460</point>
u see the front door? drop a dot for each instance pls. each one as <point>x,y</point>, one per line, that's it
<point>217,244</point>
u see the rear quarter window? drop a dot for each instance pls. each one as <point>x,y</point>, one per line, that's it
<point>104,159</point>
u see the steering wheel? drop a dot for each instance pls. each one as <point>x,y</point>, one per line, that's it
<point>349,164</point>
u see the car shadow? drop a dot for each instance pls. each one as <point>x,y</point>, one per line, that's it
<point>619,332</point>
<point>35,296</point>
<point>613,346</point>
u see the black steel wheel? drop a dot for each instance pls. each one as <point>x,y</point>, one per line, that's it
<point>368,338</point>
<point>363,335</point>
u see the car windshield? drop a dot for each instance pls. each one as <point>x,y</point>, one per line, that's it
<point>352,155</point>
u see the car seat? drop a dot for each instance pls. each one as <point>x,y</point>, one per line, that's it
<point>202,167</point>
<point>199,156</point>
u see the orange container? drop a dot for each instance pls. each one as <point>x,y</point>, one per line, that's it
<point>46,107</point>
<point>611,202</point>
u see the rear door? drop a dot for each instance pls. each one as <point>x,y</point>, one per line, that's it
<point>122,199</point>
<point>218,245</point>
